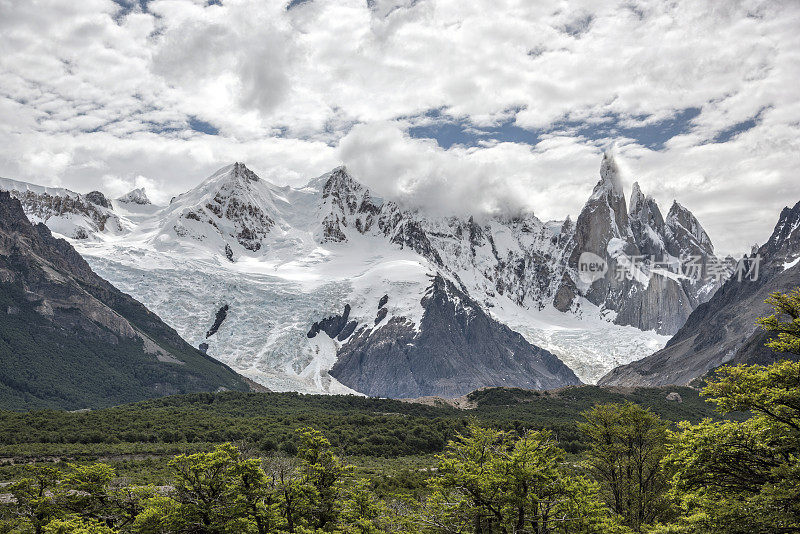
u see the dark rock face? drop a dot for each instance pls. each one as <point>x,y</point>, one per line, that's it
<point>644,215</point>
<point>96,197</point>
<point>222,314</point>
<point>252,223</point>
<point>382,302</point>
<point>110,349</point>
<point>723,329</point>
<point>565,294</point>
<point>407,232</point>
<point>457,349</point>
<point>347,331</point>
<point>349,204</point>
<point>684,235</point>
<point>228,252</point>
<point>333,325</point>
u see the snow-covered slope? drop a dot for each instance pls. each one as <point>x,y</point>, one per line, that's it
<point>283,259</point>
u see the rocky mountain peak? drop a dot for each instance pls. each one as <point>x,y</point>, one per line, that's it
<point>637,199</point>
<point>70,214</point>
<point>644,208</point>
<point>687,234</point>
<point>346,204</point>
<point>340,183</point>
<point>647,223</point>
<point>722,331</point>
<point>607,229</point>
<point>610,181</point>
<point>96,197</point>
<point>232,203</point>
<point>12,215</point>
<point>136,196</point>
<point>605,215</point>
<point>788,225</point>
<point>239,170</point>
<point>784,243</point>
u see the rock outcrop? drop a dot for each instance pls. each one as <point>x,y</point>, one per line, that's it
<point>69,213</point>
<point>232,205</point>
<point>221,315</point>
<point>136,196</point>
<point>456,349</point>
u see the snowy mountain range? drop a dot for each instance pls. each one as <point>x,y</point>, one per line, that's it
<point>327,288</point>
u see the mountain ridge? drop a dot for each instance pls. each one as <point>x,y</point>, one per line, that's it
<point>285,257</point>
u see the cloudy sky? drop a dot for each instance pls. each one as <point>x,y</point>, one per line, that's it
<point>478,106</point>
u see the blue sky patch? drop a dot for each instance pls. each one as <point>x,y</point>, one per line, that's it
<point>202,126</point>
<point>729,133</point>
<point>129,5</point>
<point>653,136</point>
<point>295,3</point>
<point>448,132</point>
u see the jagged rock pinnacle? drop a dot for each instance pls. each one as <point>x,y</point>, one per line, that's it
<point>637,199</point>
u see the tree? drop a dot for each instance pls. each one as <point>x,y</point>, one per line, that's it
<point>291,493</point>
<point>743,476</point>
<point>487,481</point>
<point>129,501</point>
<point>204,499</point>
<point>322,473</point>
<point>35,497</point>
<point>362,512</point>
<point>86,493</point>
<point>256,495</point>
<point>788,331</point>
<point>221,492</point>
<point>626,446</point>
<point>76,525</point>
